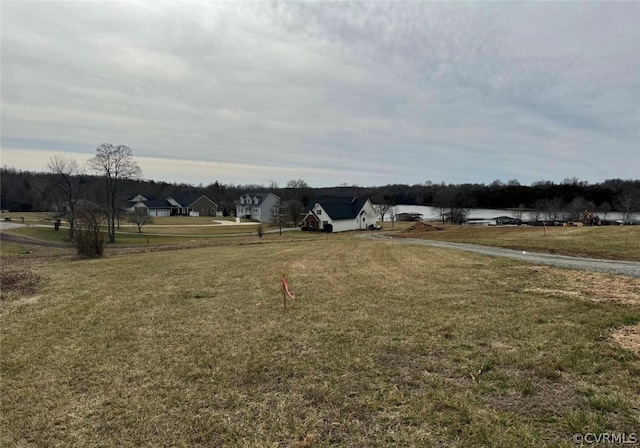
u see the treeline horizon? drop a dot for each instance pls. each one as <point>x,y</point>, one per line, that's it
<point>28,191</point>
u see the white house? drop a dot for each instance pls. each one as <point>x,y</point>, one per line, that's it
<point>258,206</point>
<point>342,214</point>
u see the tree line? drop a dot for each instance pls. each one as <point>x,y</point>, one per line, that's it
<point>112,175</point>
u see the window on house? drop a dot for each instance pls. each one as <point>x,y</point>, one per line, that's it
<point>319,212</point>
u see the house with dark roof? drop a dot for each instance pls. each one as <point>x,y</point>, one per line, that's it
<point>505,221</point>
<point>193,205</point>
<point>262,207</point>
<point>340,214</point>
<point>174,205</point>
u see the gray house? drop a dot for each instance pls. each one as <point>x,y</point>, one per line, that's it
<point>261,207</point>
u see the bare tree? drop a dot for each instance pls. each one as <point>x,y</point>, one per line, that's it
<point>41,194</point>
<point>295,209</point>
<point>66,184</point>
<point>627,202</point>
<point>299,183</point>
<point>115,164</point>
<point>392,215</point>
<point>382,210</point>
<point>605,208</point>
<point>140,217</point>
<point>578,208</point>
<point>534,215</point>
<point>552,208</point>
<point>449,206</point>
<point>278,217</point>
<point>518,213</point>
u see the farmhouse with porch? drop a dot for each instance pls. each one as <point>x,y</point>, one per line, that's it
<point>260,207</point>
<point>340,214</point>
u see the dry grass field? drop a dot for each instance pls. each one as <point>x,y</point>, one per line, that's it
<point>386,345</point>
<point>609,242</point>
<point>156,234</point>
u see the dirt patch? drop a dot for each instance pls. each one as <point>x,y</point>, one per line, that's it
<point>18,280</point>
<point>600,288</point>
<point>628,337</point>
<point>593,287</point>
<point>421,227</point>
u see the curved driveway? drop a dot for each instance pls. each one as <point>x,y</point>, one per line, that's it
<point>627,268</point>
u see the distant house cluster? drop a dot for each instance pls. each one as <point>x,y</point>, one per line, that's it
<point>335,214</point>
<point>174,206</point>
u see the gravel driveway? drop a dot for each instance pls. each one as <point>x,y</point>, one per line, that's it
<point>627,268</point>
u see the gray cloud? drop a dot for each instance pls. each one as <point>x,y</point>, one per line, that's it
<point>382,92</point>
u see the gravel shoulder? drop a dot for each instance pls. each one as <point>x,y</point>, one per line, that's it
<point>627,268</point>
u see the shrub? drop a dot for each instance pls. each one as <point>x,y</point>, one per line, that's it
<point>88,239</point>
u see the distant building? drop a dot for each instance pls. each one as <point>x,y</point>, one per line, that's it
<point>505,221</point>
<point>409,216</point>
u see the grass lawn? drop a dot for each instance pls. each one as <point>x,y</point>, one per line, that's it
<point>28,217</point>
<point>195,220</point>
<point>47,217</point>
<point>387,345</point>
<point>609,242</point>
<point>161,234</point>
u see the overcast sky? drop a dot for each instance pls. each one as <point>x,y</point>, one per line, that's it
<point>366,93</point>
